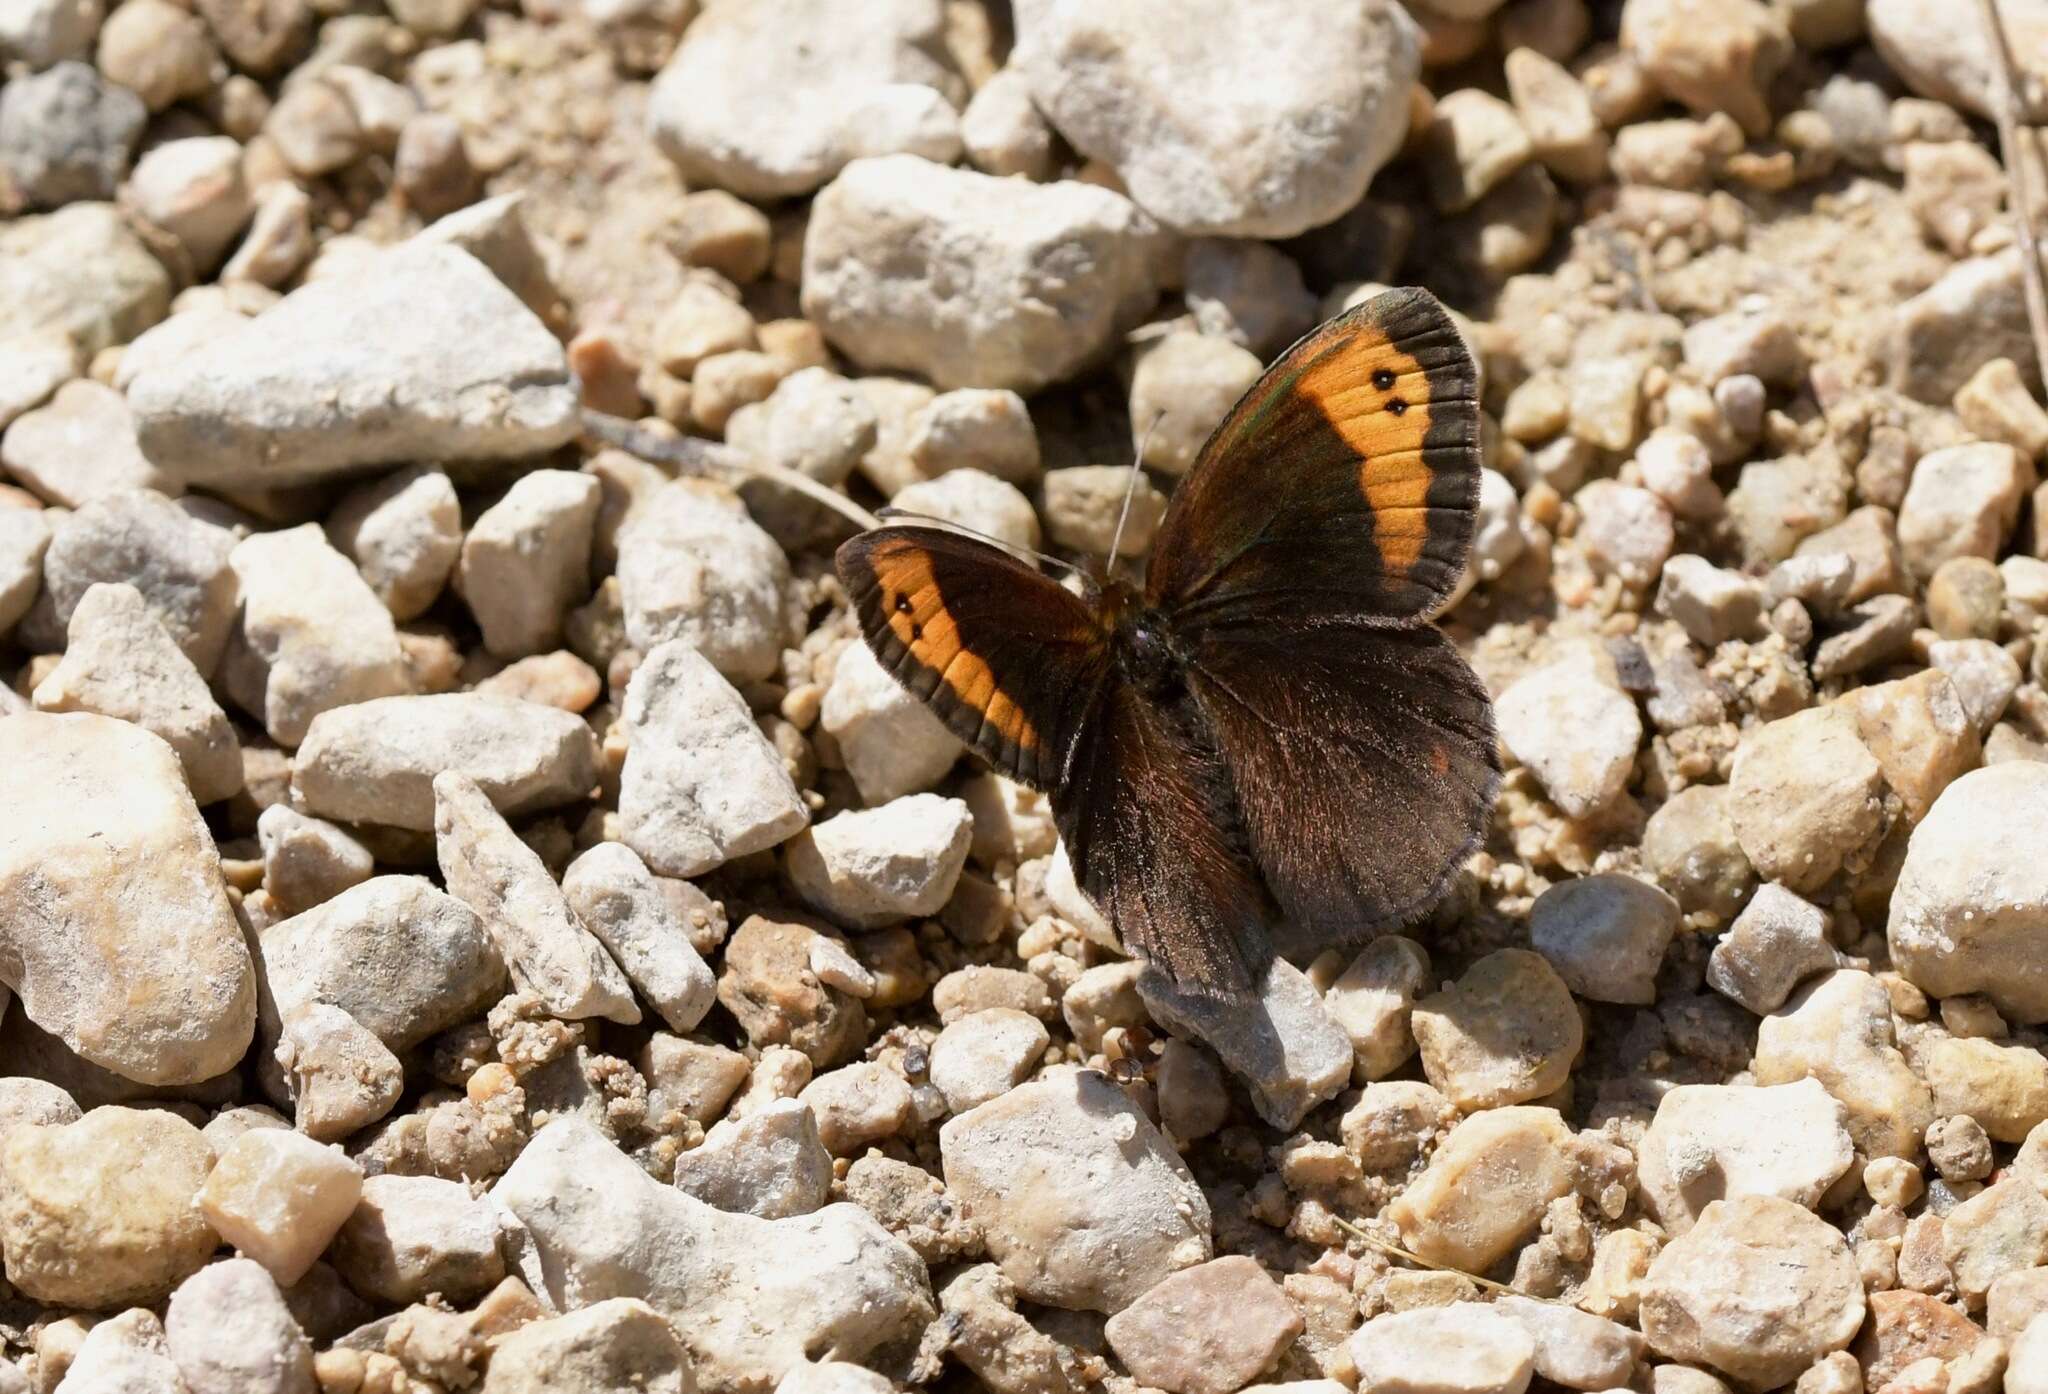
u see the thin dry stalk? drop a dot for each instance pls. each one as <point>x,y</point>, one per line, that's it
<point>2013,150</point>
<point>1396,1251</point>
<point>689,455</point>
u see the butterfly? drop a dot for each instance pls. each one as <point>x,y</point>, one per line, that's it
<point>1267,748</point>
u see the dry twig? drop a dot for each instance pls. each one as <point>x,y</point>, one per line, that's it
<point>692,456</point>
<point>1393,1250</point>
<point>2013,149</point>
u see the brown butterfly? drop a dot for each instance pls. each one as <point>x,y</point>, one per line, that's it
<point>1269,748</point>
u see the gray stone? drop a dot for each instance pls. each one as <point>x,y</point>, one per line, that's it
<point>1015,285</point>
<point>701,783</point>
<point>722,109</point>
<point>404,533</point>
<point>1286,1047</point>
<point>770,1163</point>
<point>375,762</point>
<point>1605,935</point>
<point>422,353</point>
<point>1169,100</point>
<point>1776,943</point>
<point>66,134</point>
<point>617,899</point>
<point>693,566</point>
<point>526,561</point>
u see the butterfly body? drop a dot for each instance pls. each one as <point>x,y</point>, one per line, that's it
<point>1267,748</point>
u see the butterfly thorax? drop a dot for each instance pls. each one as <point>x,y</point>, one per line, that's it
<point>1145,648</point>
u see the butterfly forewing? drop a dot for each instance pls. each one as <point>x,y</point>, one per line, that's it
<point>1008,659</point>
<point>1345,483</point>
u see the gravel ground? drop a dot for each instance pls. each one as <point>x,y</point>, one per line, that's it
<point>473,916</point>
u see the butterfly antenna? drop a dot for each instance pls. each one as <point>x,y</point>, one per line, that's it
<point>892,514</point>
<point>1116,538</point>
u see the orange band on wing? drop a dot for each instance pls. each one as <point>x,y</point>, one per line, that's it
<point>917,616</point>
<point>1387,426</point>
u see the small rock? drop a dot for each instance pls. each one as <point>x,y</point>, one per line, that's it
<point>1712,1142</point>
<point>816,423</point>
<point>1758,1289</point>
<point>115,929</point>
<point>1605,936</point>
<point>859,1104</point>
<point>80,270</point>
<point>701,784</point>
<point>66,134</point>
<point>884,87</point>
<point>279,1197</point>
<point>1247,293</point>
<point>883,865</point>
<point>1839,1031</point>
<point>1963,501</point>
<point>1003,317</point>
<point>375,762</point>
<point>497,875</point>
<point>770,1163</point>
<point>1952,63</point>
<point>1776,943</point>
<point>1463,1348</point>
<point>1209,1329</point>
<point>79,448</point>
<point>1920,732</point>
<point>1487,1186</point>
<point>140,538</point>
<point>975,428</point>
<point>1966,903</point>
<point>2002,1229</point>
<point>1372,1000</point>
<point>1002,130</point>
<point>1193,1102</point>
<point>1289,1051</point>
<point>1181,390</point>
<point>229,1332</point>
<point>1807,797</point>
<point>1083,1202</point>
<point>193,190</point>
<point>1571,725</point>
<point>1984,677</point>
<point>723,234</point>
<point>1166,102</point>
<point>985,1054</point>
<point>1473,142</point>
<point>44,32</point>
<point>121,663</point>
<point>694,566</point>
<point>526,561</point>
<point>422,353</point>
<point>100,1213</point>
<point>1710,604</point>
<point>1504,1033</point>
<point>1083,504</point>
<point>33,365</point>
<point>1690,844</point>
<point>312,636</point>
<point>314,129</point>
<point>1936,340</point>
<point>974,500</point>
<point>1556,111</point>
<point>618,1344</point>
<point>307,861</point>
<point>1964,598</point>
<point>748,1296</point>
<point>414,1235</point>
<point>124,1355</point>
<point>1996,404</point>
<point>1710,56</point>
<point>1906,1327</point>
<point>2003,1087</point>
<point>1575,1349</point>
<point>1678,469</point>
<point>617,899</point>
<point>339,1076</point>
<point>891,743</point>
<point>770,987</point>
<point>279,241</point>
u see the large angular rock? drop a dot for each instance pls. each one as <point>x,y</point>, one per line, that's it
<point>756,100</point>
<point>115,928</point>
<point>701,784</point>
<point>67,134</point>
<point>617,899</point>
<point>1084,1202</point>
<point>694,566</point>
<point>1711,1142</point>
<point>1968,912</point>
<point>973,281</point>
<point>420,353</point>
<point>1172,99</point>
<point>750,1298</point>
<point>375,762</point>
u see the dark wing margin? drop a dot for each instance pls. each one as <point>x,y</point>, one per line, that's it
<point>1006,657</point>
<point>1344,483</point>
<point>1364,764</point>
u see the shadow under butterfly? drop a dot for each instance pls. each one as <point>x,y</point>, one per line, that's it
<point>1267,747</point>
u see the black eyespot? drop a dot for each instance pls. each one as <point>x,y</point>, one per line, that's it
<point>1397,406</point>
<point>903,604</point>
<point>916,632</point>
<point>1383,379</point>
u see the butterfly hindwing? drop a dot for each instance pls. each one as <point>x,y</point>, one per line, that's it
<point>1010,661</point>
<point>1363,763</point>
<point>1344,483</point>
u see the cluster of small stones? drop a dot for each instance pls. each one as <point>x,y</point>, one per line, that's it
<point>474,917</point>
